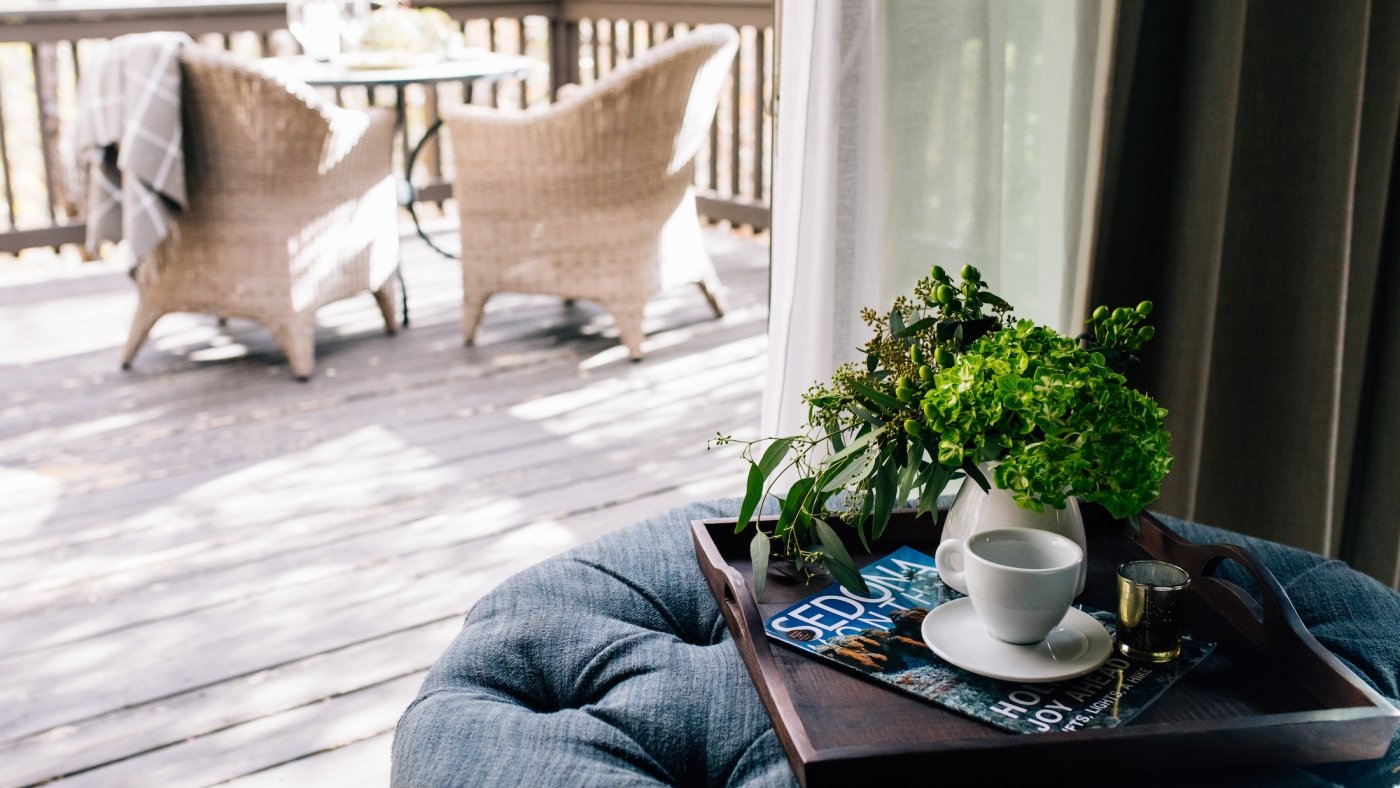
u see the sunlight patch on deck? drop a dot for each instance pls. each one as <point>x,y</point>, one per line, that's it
<point>30,497</point>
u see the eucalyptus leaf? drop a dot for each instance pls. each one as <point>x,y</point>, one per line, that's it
<point>860,442</point>
<point>896,323</point>
<point>922,484</point>
<point>847,576</point>
<point>802,519</point>
<point>777,450</point>
<point>838,558</point>
<point>933,485</point>
<point>882,401</point>
<point>792,504</point>
<point>866,416</point>
<point>867,501</point>
<point>759,549</point>
<point>752,494</point>
<point>994,299</point>
<point>817,499</point>
<point>885,483</point>
<point>907,479</point>
<point>917,326</point>
<point>975,474</point>
<point>928,499</point>
<point>854,469</point>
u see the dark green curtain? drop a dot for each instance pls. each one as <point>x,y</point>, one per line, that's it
<point>1250,189</point>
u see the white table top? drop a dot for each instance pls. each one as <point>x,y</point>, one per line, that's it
<point>401,70</point>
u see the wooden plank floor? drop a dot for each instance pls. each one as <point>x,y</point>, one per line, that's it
<point>211,573</point>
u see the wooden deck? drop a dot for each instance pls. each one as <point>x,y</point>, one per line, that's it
<point>209,572</point>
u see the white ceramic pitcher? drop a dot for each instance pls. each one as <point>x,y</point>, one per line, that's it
<point>974,511</point>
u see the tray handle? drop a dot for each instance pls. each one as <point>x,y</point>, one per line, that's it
<point>733,595</point>
<point>1270,622</point>
<point>1257,617</point>
<point>745,619</point>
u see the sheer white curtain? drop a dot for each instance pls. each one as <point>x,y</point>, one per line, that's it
<point>915,132</point>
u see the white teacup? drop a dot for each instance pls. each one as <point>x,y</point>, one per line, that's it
<point>1021,581</point>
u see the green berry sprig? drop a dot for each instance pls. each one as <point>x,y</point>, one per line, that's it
<point>1118,333</point>
<point>1118,328</point>
<point>963,301</point>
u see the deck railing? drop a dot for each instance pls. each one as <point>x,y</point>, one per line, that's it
<point>43,45</point>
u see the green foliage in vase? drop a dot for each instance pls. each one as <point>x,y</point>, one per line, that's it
<point>950,380</point>
<point>1060,420</point>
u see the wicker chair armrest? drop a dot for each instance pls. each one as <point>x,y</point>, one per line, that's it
<point>361,139</point>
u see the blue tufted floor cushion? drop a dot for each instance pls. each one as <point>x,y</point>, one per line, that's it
<point>610,665</point>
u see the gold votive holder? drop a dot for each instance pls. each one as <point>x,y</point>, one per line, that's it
<point>1151,596</point>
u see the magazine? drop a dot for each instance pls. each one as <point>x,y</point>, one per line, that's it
<point>879,636</point>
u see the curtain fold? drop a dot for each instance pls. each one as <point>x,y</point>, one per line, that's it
<point>1248,191</point>
<point>915,132</point>
<point>821,230</point>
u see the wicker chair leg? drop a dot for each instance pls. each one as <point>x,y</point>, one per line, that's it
<point>297,338</point>
<point>627,315</point>
<point>473,306</point>
<point>387,297</point>
<point>713,292</point>
<point>141,324</point>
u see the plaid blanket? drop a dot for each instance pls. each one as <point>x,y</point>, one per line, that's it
<point>129,141</point>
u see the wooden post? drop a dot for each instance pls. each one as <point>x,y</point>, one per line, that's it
<point>736,87</point>
<point>5,166</point>
<point>493,95</point>
<point>45,59</point>
<point>760,109</point>
<point>563,54</point>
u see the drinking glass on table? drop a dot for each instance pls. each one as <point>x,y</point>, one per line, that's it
<point>354,18</point>
<point>316,24</point>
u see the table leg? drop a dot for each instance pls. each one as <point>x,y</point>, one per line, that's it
<point>412,197</point>
<point>403,293</point>
<point>401,116</point>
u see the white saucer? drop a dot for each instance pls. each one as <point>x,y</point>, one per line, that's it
<point>1079,645</point>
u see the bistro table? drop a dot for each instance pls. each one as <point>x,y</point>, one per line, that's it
<point>473,65</point>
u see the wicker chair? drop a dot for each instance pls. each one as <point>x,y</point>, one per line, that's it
<point>591,197</point>
<point>291,206</point>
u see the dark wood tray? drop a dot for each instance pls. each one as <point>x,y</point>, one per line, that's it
<point>1270,694</point>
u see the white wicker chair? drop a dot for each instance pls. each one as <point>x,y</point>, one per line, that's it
<point>591,197</point>
<point>291,207</point>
